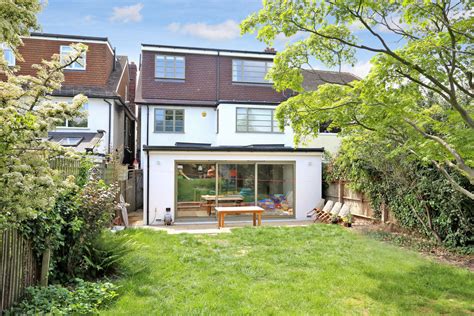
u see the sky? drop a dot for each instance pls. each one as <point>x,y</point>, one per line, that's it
<point>196,23</point>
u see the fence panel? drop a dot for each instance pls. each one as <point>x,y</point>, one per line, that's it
<point>340,192</point>
<point>18,267</point>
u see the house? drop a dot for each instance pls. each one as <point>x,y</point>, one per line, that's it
<point>209,136</point>
<point>100,75</point>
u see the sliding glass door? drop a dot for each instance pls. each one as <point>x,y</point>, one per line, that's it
<point>202,186</point>
<point>275,188</point>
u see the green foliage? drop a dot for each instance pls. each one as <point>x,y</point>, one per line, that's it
<point>80,299</point>
<point>419,95</point>
<point>28,184</point>
<point>70,228</point>
<point>420,198</point>
<point>106,252</point>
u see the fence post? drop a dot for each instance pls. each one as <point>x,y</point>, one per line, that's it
<point>45,265</point>
<point>340,192</point>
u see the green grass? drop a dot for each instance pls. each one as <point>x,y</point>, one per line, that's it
<point>319,269</point>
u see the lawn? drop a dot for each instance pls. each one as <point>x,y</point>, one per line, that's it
<point>323,269</point>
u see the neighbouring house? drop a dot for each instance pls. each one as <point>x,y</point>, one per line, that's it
<point>106,79</point>
<point>209,136</point>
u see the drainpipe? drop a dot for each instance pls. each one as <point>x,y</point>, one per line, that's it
<point>110,124</point>
<point>147,167</point>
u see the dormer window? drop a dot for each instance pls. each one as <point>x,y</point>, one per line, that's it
<point>8,55</point>
<point>79,64</point>
<point>169,67</point>
<point>250,71</point>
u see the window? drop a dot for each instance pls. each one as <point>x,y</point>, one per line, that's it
<point>81,121</point>
<point>80,64</point>
<point>250,70</point>
<point>70,141</point>
<point>252,120</point>
<point>169,121</point>
<point>8,54</point>
<point>169,67</point>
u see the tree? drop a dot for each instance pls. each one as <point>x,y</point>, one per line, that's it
<point>28,185</point>
<point>419,94</point>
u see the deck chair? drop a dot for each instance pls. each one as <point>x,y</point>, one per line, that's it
<point>345,210</point>
<point>326,209</point>
<point>333,212</point>
<point>318,207</point>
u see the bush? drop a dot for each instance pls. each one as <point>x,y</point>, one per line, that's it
<point>82,298</point>
<point>78,217</point>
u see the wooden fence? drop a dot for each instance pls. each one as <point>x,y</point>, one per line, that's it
<point>340,191</point>
<point>66,166</point>
<point>18,267</point>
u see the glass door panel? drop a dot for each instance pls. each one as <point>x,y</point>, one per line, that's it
<point>196,189</point>
<point>236,184</point>
<point>276,189</point>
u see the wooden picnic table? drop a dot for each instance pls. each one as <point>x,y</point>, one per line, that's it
<point>210,200</point>
<point>256,211</point>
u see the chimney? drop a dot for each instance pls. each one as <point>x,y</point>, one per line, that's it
<point>270,50</point>
<point>132,84</point>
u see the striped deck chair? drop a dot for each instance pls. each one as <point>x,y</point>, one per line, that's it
<point>333,212</point>
<point>314,211</point>
<point>327,207</point>
<point>345,210</point>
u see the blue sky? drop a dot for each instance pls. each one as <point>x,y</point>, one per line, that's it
<point>127,24</point>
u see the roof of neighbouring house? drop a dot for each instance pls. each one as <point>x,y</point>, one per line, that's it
<point>315,78</point>
<point>110,89</point>
<point>87,142</point>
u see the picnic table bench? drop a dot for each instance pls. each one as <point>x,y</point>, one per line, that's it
<point>210,200</point>
<point>256,211</point>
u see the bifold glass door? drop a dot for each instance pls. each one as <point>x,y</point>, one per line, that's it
<point>202,186</point>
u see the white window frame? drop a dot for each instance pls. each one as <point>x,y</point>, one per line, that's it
<point>274,127</point>
<point>5,48</point>
<point>75,65</point>
<point>66,122</point>
<point>239,65</point>
<point>164,121</point>
<point>169,63</point>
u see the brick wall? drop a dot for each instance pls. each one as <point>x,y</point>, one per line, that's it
<point>99,60</point>
<point>200,82</point>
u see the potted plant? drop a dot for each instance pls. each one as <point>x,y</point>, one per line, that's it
<point>347,220</point>
<point>334,219</point>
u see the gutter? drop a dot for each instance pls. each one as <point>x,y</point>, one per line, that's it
<point>147,167</point>
<point>233,149</point>
<point>110,124</point>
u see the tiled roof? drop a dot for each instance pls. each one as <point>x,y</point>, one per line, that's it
<point>315,78</point>
<point>109,91</point>
<point>88,140</point>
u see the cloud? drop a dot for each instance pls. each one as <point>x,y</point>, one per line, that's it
<point>360,69</point>
<point>127,13</point>
<point>89,19</point>
<point>226,30</point>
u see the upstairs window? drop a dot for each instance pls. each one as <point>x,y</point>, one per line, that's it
<point>8,54</point>
<point>252,120</point>
<point>81,122</point>
<point>169,121</point>
<point>169,67</point>
<point>250,71</point>
<point>79,64</point>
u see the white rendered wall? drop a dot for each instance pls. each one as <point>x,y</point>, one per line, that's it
<point>199,126</point>
<point>98,119</point>
<point>162,177</point>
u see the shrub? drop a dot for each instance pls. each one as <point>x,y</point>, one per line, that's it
<point>81,298</point>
